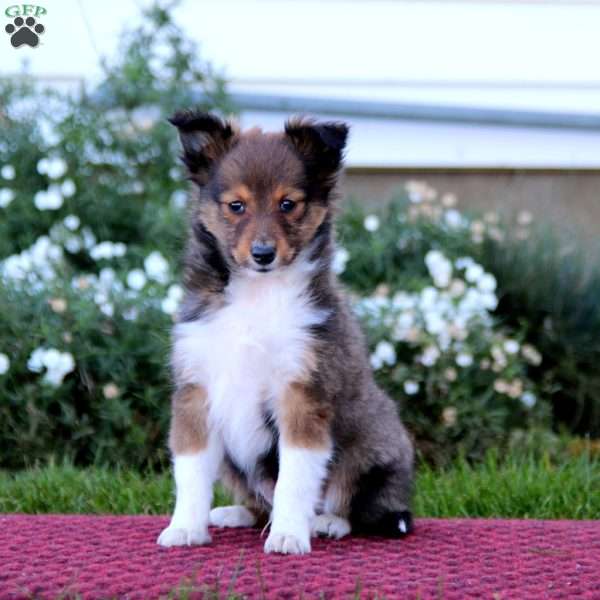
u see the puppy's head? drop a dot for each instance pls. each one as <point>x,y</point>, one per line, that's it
<point>263,196</point>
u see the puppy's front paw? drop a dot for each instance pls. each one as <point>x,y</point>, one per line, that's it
<point>287,543</point>
<point>175,536</point>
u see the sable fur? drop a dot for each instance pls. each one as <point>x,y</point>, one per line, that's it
<point>335,400</point>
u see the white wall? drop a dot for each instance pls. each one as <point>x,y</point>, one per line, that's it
<point>537,55</point>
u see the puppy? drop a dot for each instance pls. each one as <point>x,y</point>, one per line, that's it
<point>274,394</point>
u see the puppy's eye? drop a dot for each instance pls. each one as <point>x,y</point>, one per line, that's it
<point>287,205</point>
<point>237,207</point>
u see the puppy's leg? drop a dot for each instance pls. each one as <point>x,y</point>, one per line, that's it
<point>304,452</point>
<point>197,455</point>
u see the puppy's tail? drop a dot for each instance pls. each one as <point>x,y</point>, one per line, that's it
<point>394,524</point>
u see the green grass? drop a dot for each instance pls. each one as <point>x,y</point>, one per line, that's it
<point>512,486</point>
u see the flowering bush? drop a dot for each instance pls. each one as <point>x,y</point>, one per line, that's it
<point>547,287</point>
<point>91,226</point>
<point>429,307</point>
<point>464,378</point>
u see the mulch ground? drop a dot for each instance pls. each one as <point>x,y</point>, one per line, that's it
<point>117,557</point>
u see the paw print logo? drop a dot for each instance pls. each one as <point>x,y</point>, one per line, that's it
<point>24,31</point>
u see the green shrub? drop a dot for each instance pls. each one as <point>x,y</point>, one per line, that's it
<point>436,341</point>
<point>560,306</point>
<point>91,227</point>
<point>548,286</point>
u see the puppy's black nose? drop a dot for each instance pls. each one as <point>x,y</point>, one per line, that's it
<point>263,254</point>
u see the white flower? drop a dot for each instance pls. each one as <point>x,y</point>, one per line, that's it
<point>531,355</point>
<point>107,250</point>
<point>106,277</point>
<point>35,362</point>
<point>449,415</point>
<point>524,218</point>
<point>528,399</point>
<point>428,298</point>
<point>89,239</point>
<point>411,387</point>
<point>464,359</point>
<point>434,322</point>
<point>119,249</point>
<point>511,346</point>
<point>464,262</point>
<point>6,197</point>
<point>457,288</point>
<point>415,196</point>
<point>386,352</point>
<point>501,386</point>
<point>4,364</point>
<point>430,356</point>
<point>131,314</point>
<point>73,244</point>
<point>102,250</point>
<point>34,264</point>
<point>371,223</point>
<point>136,279</point>
<point>487,283</point>
<point>440,268</point>
<point>376,362</point>
<point>157,267</point>
<point>71,222</point>
<point>515,388</point>
<point>8,172</point>
<point>419,191</point>
<point>498,356</point>
<point>174,296</point>
<point>179,199</point>
<point>57,364</point>
<point>63,366</point>
<point>403,301</point>
<point>453,218</point>
<point>53,167</point>
<point>406,319</point>
<point>340,259</point>
<point>50,199</point>
<point>489,301</point>
<point>107,308</point>
<point>68,188</point>
<point>450,374</point>
<point>474,272</point>
<point>449,200</point>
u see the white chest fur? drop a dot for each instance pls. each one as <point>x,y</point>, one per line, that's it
<point>247,352</point>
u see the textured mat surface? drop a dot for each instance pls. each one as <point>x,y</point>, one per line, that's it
<point>116,557</point>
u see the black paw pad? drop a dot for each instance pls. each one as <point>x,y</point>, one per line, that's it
<point>24,32</point>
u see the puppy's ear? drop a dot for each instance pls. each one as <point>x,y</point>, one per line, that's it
<point>205,139</point>
<point>321,147</point>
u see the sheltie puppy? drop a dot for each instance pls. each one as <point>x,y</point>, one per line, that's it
<point>274,394</point>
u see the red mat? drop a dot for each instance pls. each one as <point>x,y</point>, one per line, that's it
<point>116,557</point>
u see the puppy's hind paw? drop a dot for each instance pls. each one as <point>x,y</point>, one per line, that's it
<point>330,526</point>
<point>286,544</point>
<point>231,516</point>
<point>175,536</point>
